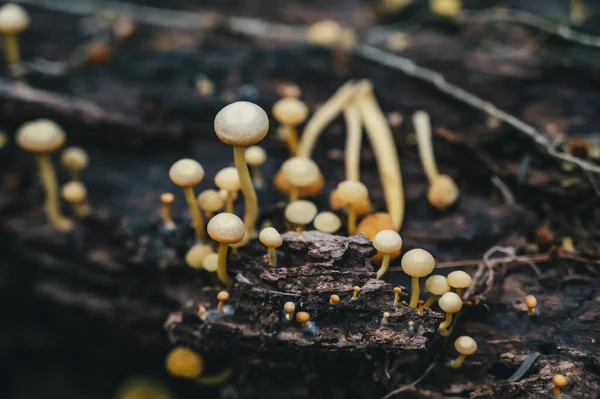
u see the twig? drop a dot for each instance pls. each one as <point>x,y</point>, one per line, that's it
<point>412,384</point>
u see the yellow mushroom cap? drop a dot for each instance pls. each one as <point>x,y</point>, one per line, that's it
<point>437,285</point>
<point>13,18</point>
<point>300,212</point>
<point>75,158</point>
<point>186,173</point>
<point>228,179</point>
<point>73,191</point>
<point>241,123</point>
<point>387,241</point>
<point>530,301</point>
<point>302,317</point>
<point>196,254</point>
<point>459,279</point>
<point>185,363</point>
<point>41,136</point>
<point>223,296</point>
<point>559,381</point>
<point>300,171</point>
<point>270,237</point>
<point>289,307</point>
<point>465,345</point>
<point>334,298</point>
<point>442,192</point>
<point>210,200</point>
<point>326,32</point>
<point>327,222</point>
<point>226,228</point>
<point>386,314</point>
<point>397,290</point>
<point>290,111</point>
<point>210,263</point>
<point>352,192</point>
<point>167,198</point>
<point>417,263</point>
<point>255,155</point>
<point>450,302</point>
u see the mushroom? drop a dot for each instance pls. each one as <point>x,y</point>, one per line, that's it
<point>290,112</point>
<point>417,263</point>
<point>334,299</point>
<point>356,289</point>
<point>360,208</point>
<point>300,172</point>
<point>167,200</point>
<point>443,191</point>
<point>75,193</point>
<point>43,137</point>
<point>187,173</point>
<point>387,241</point>
<point>210,263</point>
<point>326,32</point>
<point>288,90</point>
<point>373,224</point>
<point>436,285</point>
<point>256,156</point>
<point>327,222</point>
<point>75,159</point>
<point>465,346</point>
<point>353,141</point>
<point>303,318</point>
<point>283,185</point>
<point>228,179</point>
<point>449,303</point>
<point>196,254</point>
<point>300,213</point>
<point>182,362</point>
<point>242,124</point>
<point>420,303</point>
<point>445,8</point>
<point>225,228</point>
<point>352,192</point>
<point>289,308</point>
<point>397,291</point>
<point>13,20</point>
<point>559,381</point>
<point>210,202</point>
<point>459,280</point>
<point>531,303</point>
<point>385,317</point>
<point>271,239</point>
<point>222,297</point>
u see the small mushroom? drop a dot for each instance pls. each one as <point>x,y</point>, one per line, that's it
<point>559,381</point>
<point>225,228</point>
<point>420,303</point>
<point>449,303</point>
<point>182,362</point>
<point>210,202</point>
<point>242,124</point>
<point>459,280</point>
<point>288,90</point>
<point>303,318</point>
<point>355,294</point>
<point>75,159</point>
<point>228,179</point>
<point>326,32</point>
<point>256,156</point>
<point>300,172</point>
<point>290,112</point>
<point>13,20</point>
<point>187,173</point>
<point>167,200</point>
<point>222,297</point>
<point>289,308</point>
<point>373,224</point>
<point>352,192</point>
<point>283,185</point>
<point>336,203</point>
<point>387,241</point>
<point>196,254</point>
<point>334,299</point>
<point>417,263</point>
<point>465,346</point>
<point>445,8</point>
<point>271,239</point>
<point>210,263</point>
<point>300,213</point>
<point>385,317</point>
<point>75,193</point>
<point>436,285</point>
<point>531,303</point>
<point>327,222</point>
<point>397,291</point>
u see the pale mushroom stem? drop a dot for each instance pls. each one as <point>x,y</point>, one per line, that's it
<point>293,193</point>
<point>414,298</point>
<point>292,139</point>
<point>446,323</point>
<point>423,128</point>
<point>222,265</point>
<point>52,200</point>
<point>351,219</point>
<point>250,199</point>
<point>456,363</point>
<point>165,215</point>
<point>196,214</point>
<point>229,202</point>
<point>459,292</point>
<point>215,379</point>
<point>272,256</point>
<point>257,176</point>
<point>353,141</point>
<point>430,301</point>
<point>384,265</point>
<point>11,48</point>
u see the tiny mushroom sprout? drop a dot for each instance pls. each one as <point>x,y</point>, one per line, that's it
<point>327,222</point>
<point>289,308</point>
<point>187,173</point>
<point>465,346</point>
<point>210,202</point>
<point>290,112</point>
<point>256,156</point>
<point>417,263</point>
<point>210,263</point>
<point>531,303</point>
<point>352,192</point>
<point>397,291</point>
<point>196,254</point>
<point>385,317</point>
<point>75,159</point>
<point>356,289</point>
<point>459,280</point>
<point>167,200</point>
<point>228,179</point>
<point>443,191</point>
<point>300,212</point>
<point>271,239</point>
<point>300,172</point>
<point>43,137</point>
<point>420,306</point>
<point>388,241</point>
<point>242,124</point>
<point>437,286</point>
<point>222,297</point>
<point>334,299</point>
<point>75,193</point>
<point>559,381</point>
<point>225,228</point>
<point>303,318</point>
<point>13,20</point>
<point>449,303</point>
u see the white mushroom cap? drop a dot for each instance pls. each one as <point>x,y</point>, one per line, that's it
<point>290,111</point>
<point>41,136</point>
<point>270,237</point>
<point>450,302</point>
<point>442,192</point>
<point>255,155</point>
<point>226,228</point>
<point>437,285</point>
<point>210,200</point>
<point>210,263</point>
<point>352,192</point>
<point>196,254</point>
<point>465,345</point>
<point>459,279</point>
<point>417,263</point>
<point>327,222</point>
<point>186,173</point>
<point>75,158</point>
<point>326,32</point>
<point>241,124</point>
<point>387,241</point>
<point>300,171</point>
<point>13,18</point>
<point>228,179</point>
<point>300,212</point>
<point>73,191</point>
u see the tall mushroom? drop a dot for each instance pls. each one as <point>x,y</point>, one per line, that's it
<point>228,179</point>
<point>187,173</point>
<point>13,20</point>
<point>242,124</point>
<point>387,242</point>
<point>225,228</point>
<point>436,285</point>
<point>417,263</point>
<point>290,112</point>
<point>352,192</point>
<point>300,172</point>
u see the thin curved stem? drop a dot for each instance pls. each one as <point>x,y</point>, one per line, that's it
<point>229,202</point>
<point>446,323</point>
<point>351,219</point>
<point>215,379</point>
<point>414,297</point>
<point>197,218</point>
<point>52,205</point>
<point>385,263</point>
<point>272,256</point>
<point>353,141</point>
<point>456,363</point>
<point>430,301</point>
<point>222,265</point>
<point>292,139</point>
<point>250,199</point>
<point>423,129</point>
